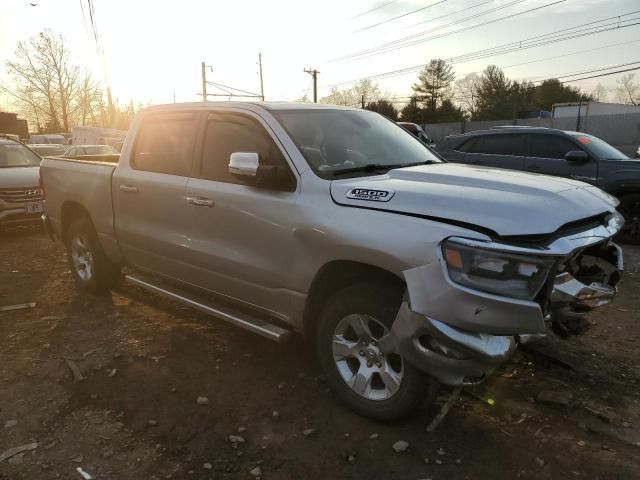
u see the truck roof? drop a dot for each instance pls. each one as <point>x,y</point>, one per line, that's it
<point>249,106</point>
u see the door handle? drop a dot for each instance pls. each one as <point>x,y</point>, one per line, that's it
<point>128,189</point>
<point>200,201</point>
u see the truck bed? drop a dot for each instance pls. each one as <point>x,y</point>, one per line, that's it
<point>71,183</point>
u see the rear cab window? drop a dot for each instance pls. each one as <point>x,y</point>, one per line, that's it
<point>165,143</point>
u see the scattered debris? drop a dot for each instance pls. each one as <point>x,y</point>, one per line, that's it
<point>157,358</point>
<point>582,443</point>
<point>10,423</point>
<point>19,306</point>
<point>152,423</point>
<point>426,460</point>
<point>75,371</point>
<point>256,472</point>
<point>207,466</point>
<point>236,439</point>
<point>275,414</point>
<point>113,372</point>
<point>374,436</point>
<point>458,461</point>
<point>539,461</point>
<point>347,435</point>
<point>242,429</point>
<point>400,446</point>
<point>455,394</point>
<point>308,431</point>
<point>49,317</point>
<point>351,458</point>
<point>77,459</point>
<point>441,452</point>
<point>84,474</point>
<point>555,397</point>
<point>16,450</point>
<point>438,461</point>
<point>202,401</point>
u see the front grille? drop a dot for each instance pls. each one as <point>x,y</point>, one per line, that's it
<point>21,195</point>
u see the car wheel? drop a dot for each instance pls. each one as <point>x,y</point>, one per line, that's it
<point>630,208</point>
<point>376,384</point>
<point>90,266</point>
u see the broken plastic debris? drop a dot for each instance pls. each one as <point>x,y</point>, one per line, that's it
<point>84,474</point>
<point>491,401</point>
<point>19,306</point>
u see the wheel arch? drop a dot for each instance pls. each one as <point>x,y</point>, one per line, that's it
<point>70,212</point>
<point>336,275</point>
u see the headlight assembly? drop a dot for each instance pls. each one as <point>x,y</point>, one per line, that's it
<point>502,273</point>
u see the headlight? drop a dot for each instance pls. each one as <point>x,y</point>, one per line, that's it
<point>502,273</point>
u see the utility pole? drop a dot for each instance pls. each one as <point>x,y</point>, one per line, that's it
<point>204,83</point>
<point>314,73</point>
<point>363,101</point>
<point>261,82</point>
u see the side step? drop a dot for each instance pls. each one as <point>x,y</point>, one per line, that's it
<point>241,319</point>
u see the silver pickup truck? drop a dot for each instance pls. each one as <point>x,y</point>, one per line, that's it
<point>404,271</point>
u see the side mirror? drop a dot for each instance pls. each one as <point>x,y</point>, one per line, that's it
<point>244,164</point>
<point>577,156</point>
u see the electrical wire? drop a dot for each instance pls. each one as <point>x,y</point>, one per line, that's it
<point>373,9</point>
<point>408,41</point>
<point>400,16</point>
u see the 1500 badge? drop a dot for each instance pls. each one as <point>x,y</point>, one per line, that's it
<point>370,194</point>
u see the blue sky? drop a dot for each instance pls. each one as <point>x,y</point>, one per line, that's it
<point>153,49</point>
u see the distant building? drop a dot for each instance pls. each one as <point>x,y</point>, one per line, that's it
<point>10,123</point>
<point>589,109</point>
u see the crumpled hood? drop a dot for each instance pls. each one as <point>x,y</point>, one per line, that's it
<point>504,201</point>
<point>18,177</point>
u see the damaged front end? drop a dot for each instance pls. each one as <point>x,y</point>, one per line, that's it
<point>464,314</point>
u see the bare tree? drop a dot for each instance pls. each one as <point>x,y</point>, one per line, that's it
<point>89,101</point>
<point>46,84</point>
<point>599,93</point>
<point>628,91</point>
<point>466,93</point>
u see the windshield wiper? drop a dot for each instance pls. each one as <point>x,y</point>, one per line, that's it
<point>369,167</point>
<point>377,167</point>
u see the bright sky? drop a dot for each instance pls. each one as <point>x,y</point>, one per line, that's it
<point>153,49</point>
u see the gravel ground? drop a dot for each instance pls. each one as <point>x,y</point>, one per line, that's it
<point>161,389</point>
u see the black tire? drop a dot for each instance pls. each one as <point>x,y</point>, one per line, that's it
<point>630,209</point>
<point>103,273</point>
<point>380,302</point>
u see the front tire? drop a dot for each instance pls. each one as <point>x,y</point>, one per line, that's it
<point>630,210</point>
<point>89,264</point>
<point>375,384</point>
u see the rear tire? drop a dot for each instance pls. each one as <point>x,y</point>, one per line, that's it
<point>89,264</point>
<point>630,209</point>
<point>380,386</point>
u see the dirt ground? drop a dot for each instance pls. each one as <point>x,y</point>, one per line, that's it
<point>146,360</point>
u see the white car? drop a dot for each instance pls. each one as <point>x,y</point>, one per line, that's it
<point>20,194</point>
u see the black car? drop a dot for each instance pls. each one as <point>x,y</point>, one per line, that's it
<point>418,131</point>
<point>556,152</point>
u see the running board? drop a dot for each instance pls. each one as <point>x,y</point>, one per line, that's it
<point>241,319</point>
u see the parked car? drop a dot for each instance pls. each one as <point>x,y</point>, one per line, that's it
<point>48,149</point>
<point>405,271</point>
<point>417,131</point>
<point>47,138</point>
<point>549,151</point>
<point>20,193</point>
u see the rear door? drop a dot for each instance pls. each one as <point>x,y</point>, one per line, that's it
<point>241,236</point>
<point>151,213</point>
<point>546,155</point>
<point>503,150</point>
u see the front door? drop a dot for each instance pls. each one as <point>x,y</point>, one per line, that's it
<point>546,155</point>
<point>242,238</point>
<point>150,210</point>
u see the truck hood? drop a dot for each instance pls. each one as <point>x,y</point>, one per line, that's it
<point>18,177</point>
<point>504,201</point>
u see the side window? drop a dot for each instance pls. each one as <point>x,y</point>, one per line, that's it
<point>470,146</point>
<point>165,143</point>
<point>227,133</point>
<point>503,145</point>
<point>550,146</point>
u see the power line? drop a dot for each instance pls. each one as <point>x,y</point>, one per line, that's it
<point>452,13</point>
<point>409,40</point>
<point>531,42</point>
<point>602,75</point>
<point>373,9</point>
<point>400,16</point>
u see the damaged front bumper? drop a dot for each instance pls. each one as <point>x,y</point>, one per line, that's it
<point>459,335</point>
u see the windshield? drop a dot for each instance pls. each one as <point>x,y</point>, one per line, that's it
<point>13,154</point>
<point>599,148</point>
<point>335,140</point>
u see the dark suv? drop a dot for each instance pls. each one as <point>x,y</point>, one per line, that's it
<point>555,152</point>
